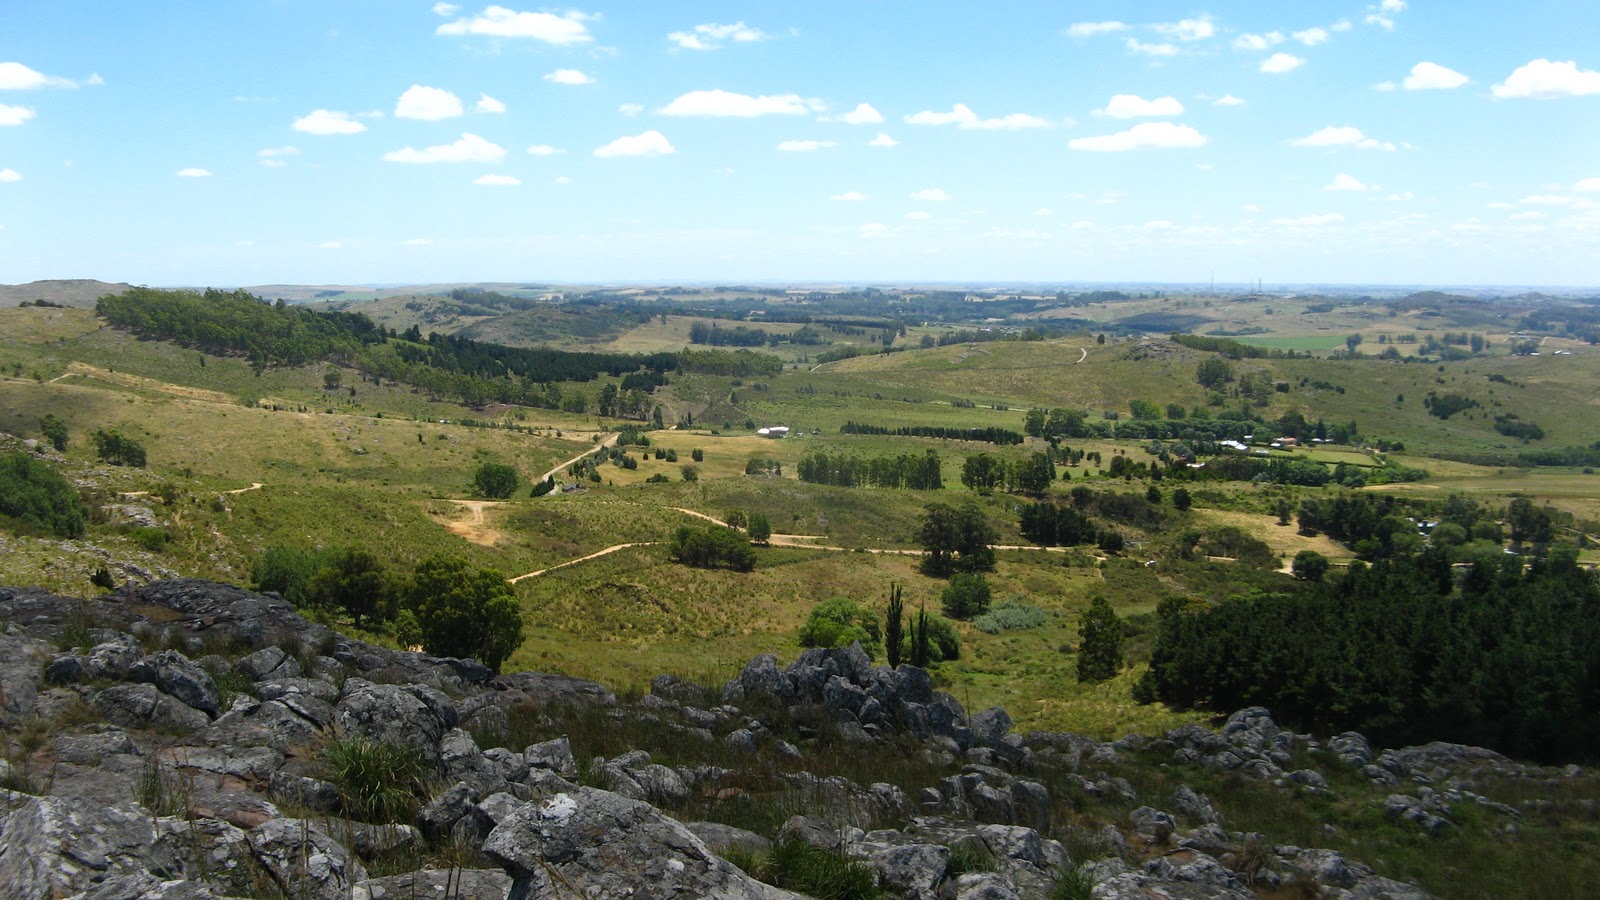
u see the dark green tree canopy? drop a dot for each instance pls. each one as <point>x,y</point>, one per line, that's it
<point>495,480</point>
<point>1100,649</point>
<point>956,539</point>
<point>839,623</point>
<point>464,611</point>
<point>34,492</point>
<point>967,595</point>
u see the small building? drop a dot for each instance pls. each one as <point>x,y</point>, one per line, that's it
<point>774,431</point>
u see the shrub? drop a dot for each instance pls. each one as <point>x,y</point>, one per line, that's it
<point>154,540</point>
<point>54,430</point>
<point>37,494</point>
<point>710,548</point>
<point>839,623</point>
<point>119,450</point>
<point>943,643</point>
<point>798,866</point>
<point>1011,614</point>
<point>495,480</point>
<point>465,612</point>
<point>377,782</point>
<point>966,596</point>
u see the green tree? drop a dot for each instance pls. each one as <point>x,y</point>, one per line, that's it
<point>1309,565</point>
<point>956,539</point>
<point>355,582</point>
<point>967,595</point>
<point>894,626</point>
<point>760,530</point>
<point>495,480</point>
<point>1213,373</point>
<point>736,518</point>
<point>921,640</point>
<point>287,571</point>
<point>983,472</point>
<point>37,494</point>
<point>942,641</point>
<point>839,623</point>
<point>464,611</point>
<point>1181,500</point>
<point>54,430</point>
<point>1100,648</point>
<point>118,449</point>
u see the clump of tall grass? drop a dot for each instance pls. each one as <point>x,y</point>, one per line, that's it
<point>377,781</point>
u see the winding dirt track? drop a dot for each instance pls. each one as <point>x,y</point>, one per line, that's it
<point>610,440</point>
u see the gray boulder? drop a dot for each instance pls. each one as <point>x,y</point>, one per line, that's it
<point>760,678</point>
<point>436,884</point>
<point>304,860</point>
<point>408,716</point>
<point>1153,824</point>
<point>913,870</point>
<point>143,706</point>
<point>53,847</point>
<point>554,755</point>
<point>180,677</point>
<point>1193,806</point>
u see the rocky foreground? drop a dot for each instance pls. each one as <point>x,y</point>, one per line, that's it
<point>180,749</point>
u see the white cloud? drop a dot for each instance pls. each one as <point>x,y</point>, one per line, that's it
<point>1400,197</point>
<point>94,80</point>
<point>14,115</point>
<point>1531,215</point>
<point>15,76</point>
<point>876,230</point>
<point>1159,225</point>
<point>1132,106</point>
<point>1344,182</point>
<point>1312,36</point>
<point>1341,136</point>
<point>1548,200</point>
<point>445,9</point>
<point>273,157</point>
<point>1392,5</point>
<point>9,175</point>
<point>806,146</point>
<point>1311,221</point>
<point>962,116</point>
<point>1250,208</point>
<point>561,179</point>
<point>1145,134</point>
<point>1587,185</point>
<point>1542,79</point>
<point>194,173</point>
<point>1228,100</point>
<point>568,76</point>
<point>1090,29</point>
<point>543,150</point>
<point>1163,49</point>
<point>1386,86</point>
<point>849,197</point>
<point>930,195</point>
<point>883,140</point>
<point>711,36</point>
<point>1382,21</point>
<point>1258,41</point>
<point>429,104</point>
<point>1427,76</point>
<point>1188,29</point>
<point>328,121</point>
<point>497,180</point>
<point>488,104</point>
<point>650,143</point>
<point>630,109</point>
<point>469,148</point>
<point>918,216</point>
<point>498,21</point>
<point>728,103</point>
<point>1341,25</point>
<point>863,114</point>
<point>1279,63</point>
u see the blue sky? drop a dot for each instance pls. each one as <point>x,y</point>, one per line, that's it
<point>383,141</point>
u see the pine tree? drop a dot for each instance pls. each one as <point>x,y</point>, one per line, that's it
<point>1100,653</point>
<point>893,626</point>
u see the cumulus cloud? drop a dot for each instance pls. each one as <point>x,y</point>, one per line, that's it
<point>876,230</point>
<point>1044,211</point>
<point>1341,136</point>
<point>1344,182</point>
<point>1188,29</point>
<point>1090,29</point>
<point>568,76</point>
<point>15,76</point>
<point>1587,185</point>
<point>1542,79</point>
<point>728,103</point>
<point>429,104</point>
<point>497,180</point>
<point>488,104</point>
<point>273,157</point>
<point>849,197</point>
<point>650,143</point>
<point>498,21</point>
<point>630,109</point>
<point>883,140</point>
<point>711,36</point>
<point>1427,76</point>
<point>561,179</point>
<point>1228,100</point>
<point>1312,36</point>
<point>543,150</point>
<point>930,195</point>
<point>863,114</point>
<point>9,175</point>
<point>1143,135</point>
<point>14,115</point>
<point>1311,221</point>
<point>1162,49</point>
<point>1279,63</point>
<point>445,9</point>
<point>962,116</point>
<point>1132,106</point>
<point>194,173</point>
<point>328,121</point>
<point>1258,41</point>
<point>468,148</point>
<point>806,146</point>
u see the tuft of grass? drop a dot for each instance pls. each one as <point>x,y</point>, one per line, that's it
<point>800,867</point>
<point>1073,885</point>
<point>161,790</point>
<point>378,782</point>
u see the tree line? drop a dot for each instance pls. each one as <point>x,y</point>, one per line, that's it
<point>918,472</point>
<point>990,434</point>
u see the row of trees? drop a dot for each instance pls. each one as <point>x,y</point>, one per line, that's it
<point>991,435</point>
<point>913,471</point>
<point>712,547</point>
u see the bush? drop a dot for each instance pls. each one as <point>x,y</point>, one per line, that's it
<point>798,866</point>
<point>119,450</point>
<point>54,430</point>
<point>37,494</point>
<point>287,571</point>
<point>710,548</point>
<point>465,612</point>
<point>1309,565</point>
<point>966,596</point>
<point>839,623</point>
<point>495,480</point>
<point>760,530</point>
<point>377,782</point>
<point>1100,653</point>
<point>154,540</point>
<point>943,642</point>
<point>1012,614</point>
